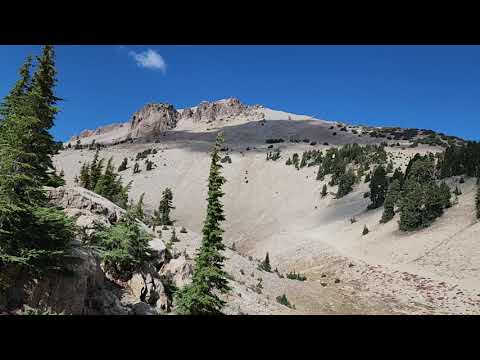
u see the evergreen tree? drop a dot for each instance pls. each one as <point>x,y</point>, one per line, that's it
<point>367,177</point>
<point>389,167</point>
<point>391,199</point>
<point>149,165</point>
<point>32,233</point>
<point>378,187</point>
<point>288,162</point>
<point>209,278</point>
<point>19,92</point>
<point>162,215</point>
<point>96,169</point>
<point>397,175</point>
<point>324,190</point>
<point>445,195</point>
<point>136,168</point>
<point>346,182</point>
<point>109,184</point>
<point>56,180</point>
<point>303,162</point>
<point>85,175</point>
<point>295,161</point>
<point>265,264</point>
<point>320,173</point>
<point>123,165</point>
<point>365,230</point>
<point>137,210</point>
<point>44,101</point>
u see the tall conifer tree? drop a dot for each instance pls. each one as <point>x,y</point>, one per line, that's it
<point>200,297</point>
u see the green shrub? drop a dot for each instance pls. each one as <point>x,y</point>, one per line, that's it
<point>124,247</point>
<point>284,301</point>
<point>294,276</point>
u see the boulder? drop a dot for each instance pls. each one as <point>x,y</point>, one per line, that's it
<point>76,197</point>
<point>81,289</point>
<point>179,270</point>
<point>148,288</point>
<point>142,308</point>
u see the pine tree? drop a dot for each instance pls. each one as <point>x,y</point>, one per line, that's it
<point>324,190</point>
<point>295,161</point>
<point>288,162</point>
<point>367,177</point>
<point>378,187</point>
<point>365,230</point>
<point>162,215</point>
<point>410,208</point>
<point>137,210</point>
<point>445,195</point>
<point>109,184</point>
<point>391,199</point>
<point>19,91</point>
<point>32,233</point>
<point>389,167</point>
<point>320,173</point>
<point>209,278</point>
<point>397,175</point>
<point>123,165</point>
<point>136,168</point>
<point>149,165</point>
<point>96,169</point>
<point>44,100</point>
<point>346,182</point>
<point>265,264</point>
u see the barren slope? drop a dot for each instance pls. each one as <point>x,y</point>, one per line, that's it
<point>279,210</point>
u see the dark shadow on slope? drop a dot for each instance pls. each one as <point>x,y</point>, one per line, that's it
<point>254,135</point>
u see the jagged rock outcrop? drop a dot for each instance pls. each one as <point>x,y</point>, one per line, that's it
<point>81,289</point>
<point>79,198</point>
<point>148,287</point>
<point>153,119</point>
<point>85,287</point>
<point>221,110</point>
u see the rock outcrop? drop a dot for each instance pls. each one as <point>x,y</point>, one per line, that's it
<point>78,198</point>
<point>153,119</point>
<point>221,110</point>
<point>84,287</point>
<point>179,270</point>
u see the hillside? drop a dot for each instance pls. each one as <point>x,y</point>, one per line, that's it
<point>271,207</point>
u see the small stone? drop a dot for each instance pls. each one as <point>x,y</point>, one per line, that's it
<point>323,284</point>
<point>337,281</point>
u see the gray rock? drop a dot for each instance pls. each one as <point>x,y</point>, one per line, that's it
<point>179,270</point>
<point>142,308</point>
<point>153,119</point>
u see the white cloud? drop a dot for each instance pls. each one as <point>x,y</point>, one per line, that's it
<point>149,59</point>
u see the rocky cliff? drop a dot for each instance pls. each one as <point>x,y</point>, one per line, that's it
<point>154,119</point>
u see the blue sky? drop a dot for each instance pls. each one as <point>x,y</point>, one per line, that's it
<point>435,87</point>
